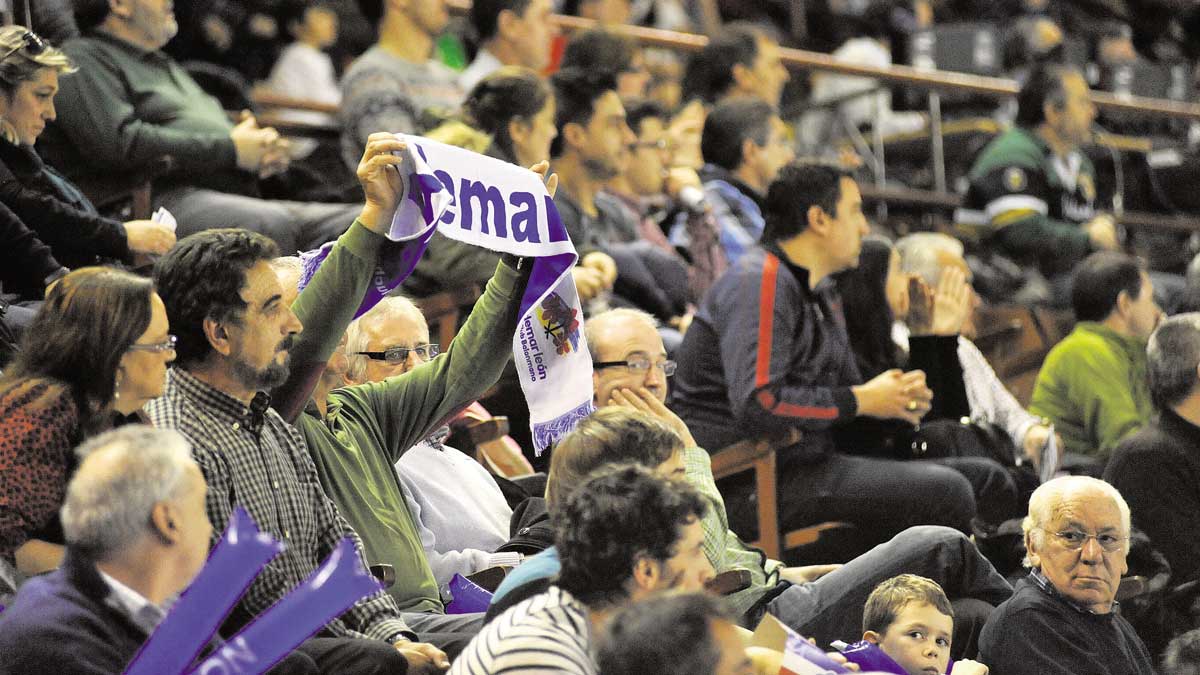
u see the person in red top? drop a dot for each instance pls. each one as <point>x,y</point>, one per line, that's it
<point>96,351</point>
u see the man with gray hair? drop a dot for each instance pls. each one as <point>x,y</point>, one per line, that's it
<point>1063,617</point>
<point>927,255</point>
<point>137,533</point>
<point>1157,469</point>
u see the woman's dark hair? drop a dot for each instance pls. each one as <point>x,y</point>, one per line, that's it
<point>599,51</point>
<point>665,635</point>
<point>1099,281</point>
<point>865,305</point>
<point>87,323</point>
<point>202,278</point>
<point>709,73</point>
<point>509,93</point>
<point>609,436</point>
<point>618,515</point>
<point>729,125</point>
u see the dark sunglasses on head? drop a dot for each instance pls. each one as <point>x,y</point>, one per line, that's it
<point>31,43</point>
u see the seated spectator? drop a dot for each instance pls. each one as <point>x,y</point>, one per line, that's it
<point>508,115</point>
<point>452,502</point>
<point>910,618</point>
<point>1033,190</point>
<point>1156,468</point>
<point>510,33</point>
<point>928,255</point>
<point>389,87</point>
<point>738,61</point>
<point>660,192</point>
<point>820,601</point>
<point>1062,618</point>
<point>744,146</point>
<point>46,201</point>
<point>684,634</point>
<point>130,104</point>
<point>1093,385</point>
<point>236,332</point>
<point>604,52</point>
<point>767,355</point>
<point>97,350</point>
<point>1183,655</point>
<point>304,70</point>
<point>624,535</point>
<point>875,295</point>
<point>27,267</point>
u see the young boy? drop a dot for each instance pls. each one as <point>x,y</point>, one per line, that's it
<point>910,619</point>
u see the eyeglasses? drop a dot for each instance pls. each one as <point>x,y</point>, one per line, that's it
<point>398,354</point>
<point>156,346</point>
<point>638,365</point>
<point>30,42</point>
<point>661,145</point>
<point>1075,540</point>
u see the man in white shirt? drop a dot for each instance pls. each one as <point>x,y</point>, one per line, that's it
<point>510,33</point>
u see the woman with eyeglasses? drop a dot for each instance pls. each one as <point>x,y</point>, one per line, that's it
<point>48,203</point>
<point>96,351</point>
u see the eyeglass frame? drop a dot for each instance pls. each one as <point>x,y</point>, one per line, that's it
<point>1118,541</point>
<point>431,348</point>
<point>29,39</point>
<point>664,365</point>
<point>156,347</point>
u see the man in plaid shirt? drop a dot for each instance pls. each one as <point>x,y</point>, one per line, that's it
<point>234,336</point>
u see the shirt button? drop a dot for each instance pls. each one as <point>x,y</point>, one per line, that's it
<point>236,426</point>
<point>287,534</point>
<point>275,484</point>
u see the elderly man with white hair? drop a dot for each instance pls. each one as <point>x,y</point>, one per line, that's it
<point>1063,618</point>
<point>926,255</point>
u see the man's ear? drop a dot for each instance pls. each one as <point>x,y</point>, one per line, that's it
<point>506,25</point>
<point>218,336</point>
<point>1124,303</point>
<point>1034,559</point>
<point>646,574</point>
<point>574,134</point>
<point>872,637</point>
<point>742,76</point>
<point>750,151</point>
<point>162,519</point>
<point>818,220</point>
<point>120,8</point>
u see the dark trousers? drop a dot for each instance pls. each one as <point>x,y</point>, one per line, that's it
<point>879,497</point>
<point>294,226</point>
<point>831,607</point>
<point>348,656</point>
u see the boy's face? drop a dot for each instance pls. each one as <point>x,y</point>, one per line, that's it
<point>918,640</point>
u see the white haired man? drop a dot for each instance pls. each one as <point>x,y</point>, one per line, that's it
<point>1061,618</point>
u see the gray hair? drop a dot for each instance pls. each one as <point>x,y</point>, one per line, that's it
<point>288,264</point>
<point>919,254</point>
<point>1173,356</point>
<point>1052,493</point>
<point>390,308</point>
<point>596,324</point>
<point>122,475</point>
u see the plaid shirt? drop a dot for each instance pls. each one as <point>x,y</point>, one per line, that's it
<point>251,457</point>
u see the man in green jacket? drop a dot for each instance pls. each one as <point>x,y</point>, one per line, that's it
<point>1033,191</point>
<point>1093,385</point>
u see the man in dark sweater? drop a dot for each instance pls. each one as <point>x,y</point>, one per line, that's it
<point>137,534</point>
<point>1063,618</point>
<point>768,354</point>
<point>1158,468</point>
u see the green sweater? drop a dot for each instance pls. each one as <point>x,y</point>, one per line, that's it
<point>126,107</point>
<point>368,427</point>
<point>1094,387</point>
<point>1028,201</point>
<point>725,551</point>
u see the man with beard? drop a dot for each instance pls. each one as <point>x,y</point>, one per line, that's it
<point>235,330</point>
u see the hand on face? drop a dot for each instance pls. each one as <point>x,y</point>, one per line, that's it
<point>642,400</point>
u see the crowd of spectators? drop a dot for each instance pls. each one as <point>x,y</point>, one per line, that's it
<point>169,354</point>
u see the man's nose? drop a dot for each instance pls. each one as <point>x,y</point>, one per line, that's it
<point>293,324</point>
<point>655,376</point>
<point>1091,551</point>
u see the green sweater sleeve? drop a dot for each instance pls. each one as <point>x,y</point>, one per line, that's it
<point>326,307</point>
<point>408,407</point>
<point>104,127</point>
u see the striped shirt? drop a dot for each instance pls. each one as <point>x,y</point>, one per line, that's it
<point>548,633</point>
